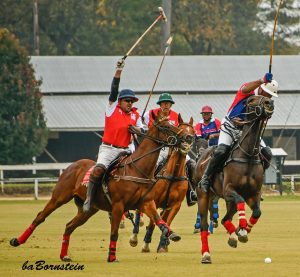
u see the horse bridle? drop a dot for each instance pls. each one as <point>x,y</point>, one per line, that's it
<point>259,112</point>
<point>171,141</point>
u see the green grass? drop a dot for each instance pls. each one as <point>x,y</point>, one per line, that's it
<point>276,235</point>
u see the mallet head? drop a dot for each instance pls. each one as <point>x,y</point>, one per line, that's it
<point>162,13</point>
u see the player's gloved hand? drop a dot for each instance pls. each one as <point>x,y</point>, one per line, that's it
<point>268,78</point>
<point>120,64</point>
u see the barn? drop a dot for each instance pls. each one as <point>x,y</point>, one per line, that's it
<point>75,92</point>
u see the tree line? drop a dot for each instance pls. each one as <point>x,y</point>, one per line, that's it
<point>109,27</point>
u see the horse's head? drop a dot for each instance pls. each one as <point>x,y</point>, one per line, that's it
<point>259,107</point>
<point>189,135</point>
<point>171,135</point>
<point>258,110</point>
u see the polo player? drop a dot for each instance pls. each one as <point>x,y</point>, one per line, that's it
<point>119,115</point>
<point>266,87</point>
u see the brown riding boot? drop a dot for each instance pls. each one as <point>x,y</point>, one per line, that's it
<point>95,179</point>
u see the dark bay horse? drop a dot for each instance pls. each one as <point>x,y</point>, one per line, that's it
<point>130,186</point>
<point>172,185</point>
<point>241,180</point>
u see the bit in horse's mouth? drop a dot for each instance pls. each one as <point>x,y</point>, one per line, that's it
<point>185,147</point>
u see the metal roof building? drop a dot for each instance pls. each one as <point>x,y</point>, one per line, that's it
<point>76,89</point>
<point>179,74</point>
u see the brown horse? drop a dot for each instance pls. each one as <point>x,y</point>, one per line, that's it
<point>130,186</point>
<point>171,186</point>
<point>241,179</point>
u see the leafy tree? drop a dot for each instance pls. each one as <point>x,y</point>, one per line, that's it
<point>123,22</point>
<point>202,27</point>
<point>16,16</point>
<point>69,27</point>
<point>288,24</point>
<point>23,131</point>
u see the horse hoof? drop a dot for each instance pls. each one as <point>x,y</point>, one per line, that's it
<point>14,242</point>
<point>114,261</point>
<point>243,239</point>
<point>196,231</point>
<point>206,259</point>
<point>146,248</point>
<point>122,225</point>
<point>232,241</point>
<point>66,259</point>
<point>162,250</point>
<point>242,235</point>
<point>133,243</point>
<point>174,237</point>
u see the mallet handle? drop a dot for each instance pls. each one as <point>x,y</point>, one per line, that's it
<point>272,42</point>
<point>168,43</point>
<point>141,37</point>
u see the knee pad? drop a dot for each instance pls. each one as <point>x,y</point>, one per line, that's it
<point>267,153</point>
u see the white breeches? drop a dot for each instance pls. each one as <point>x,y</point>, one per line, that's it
<point>226,128</point>
<point>108,153</point>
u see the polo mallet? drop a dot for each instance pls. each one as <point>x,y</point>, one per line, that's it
<point>162,16</point>
<point>272,43</point>
<point>168,43</point>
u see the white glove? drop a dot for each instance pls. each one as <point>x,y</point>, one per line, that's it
<point>120,64</point>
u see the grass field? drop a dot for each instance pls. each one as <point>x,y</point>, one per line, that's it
<point>277,235</point>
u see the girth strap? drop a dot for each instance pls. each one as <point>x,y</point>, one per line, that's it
<point>241,160</point>
<point>172,178</point>
<point>135,179</point>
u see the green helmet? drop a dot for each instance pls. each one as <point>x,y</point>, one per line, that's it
<point>165,97</point>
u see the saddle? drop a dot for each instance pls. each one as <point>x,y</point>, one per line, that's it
<point>113,165</point>
<point>108,171</point>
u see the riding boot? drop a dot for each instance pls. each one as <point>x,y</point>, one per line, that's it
<point>216,162</point>
<point>94,180</point>
<point>191,196</point>
<point>266,157</point>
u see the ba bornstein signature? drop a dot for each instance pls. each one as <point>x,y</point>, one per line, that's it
<point>42,265</point>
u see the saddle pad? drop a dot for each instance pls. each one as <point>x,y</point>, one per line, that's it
<point>86,177</point>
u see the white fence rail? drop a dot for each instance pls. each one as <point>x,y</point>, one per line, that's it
<point>34,167</point>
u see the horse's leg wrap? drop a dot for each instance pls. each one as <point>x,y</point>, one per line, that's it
<point>229,226</point>
<point>136,226</point>
<point>64,246</point>
<point>27,233</point>
<point>112,251</point>
<point>165,229</point>
<point>163,243</point>
<point>198,221</point>
<point>242,216</point>
<point>251,223</point>
<point>215,210</point>
<point>148,236</point>
<point>204,240</point>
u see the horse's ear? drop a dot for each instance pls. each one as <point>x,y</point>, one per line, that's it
<point>191,121</point>
<point>180,121</point>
